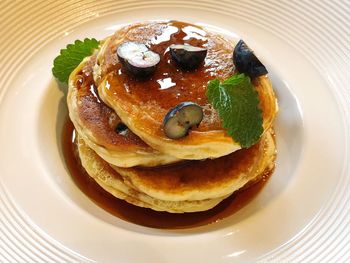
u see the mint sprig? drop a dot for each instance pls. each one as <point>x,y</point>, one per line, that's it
<point>237,103</point>
<point>71,56</point>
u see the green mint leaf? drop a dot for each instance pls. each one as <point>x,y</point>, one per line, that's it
<point>237,103</point>
<point>71,56</point>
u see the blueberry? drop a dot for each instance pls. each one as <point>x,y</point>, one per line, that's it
<point>246,62</point>
<point>181,118</point>
<point>121,128</point>
<point>138,59</point>
<point>187,57</point>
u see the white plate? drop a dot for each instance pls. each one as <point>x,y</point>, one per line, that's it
<point>302,215</point>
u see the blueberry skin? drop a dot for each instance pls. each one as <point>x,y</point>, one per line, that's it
<point>138,72</point>
<point>181,118</point>
<point>171,113</point>
<point>246,62</point>
<point>187,57</point>
<point>137,59</point>
<point>121,128</point>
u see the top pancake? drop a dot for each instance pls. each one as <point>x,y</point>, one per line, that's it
<point>142,104</point>
<point>96,123</point>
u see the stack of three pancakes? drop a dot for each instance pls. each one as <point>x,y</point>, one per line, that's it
<point>119,122</point>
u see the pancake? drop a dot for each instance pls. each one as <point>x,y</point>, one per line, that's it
<point>198,180</point>
<point>113,183</point>
<point>96,123</point>
<point>142,105</point>
<point>190,187</point>
<point>138,163</point>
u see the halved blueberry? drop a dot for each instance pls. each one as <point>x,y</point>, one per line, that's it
<point>138,59</point>
<point>181,118</point>
<point>187,57</point>
<point>246,62</point>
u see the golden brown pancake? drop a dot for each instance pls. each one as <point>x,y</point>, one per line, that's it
<point>198,180</point>
<point>190,187</point>
<point>96,123</point>
<point>113,183</point>
<point>143,104</point>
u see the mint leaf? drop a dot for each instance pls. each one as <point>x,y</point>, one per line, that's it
<point>71,56</point>
<point>237,103</point>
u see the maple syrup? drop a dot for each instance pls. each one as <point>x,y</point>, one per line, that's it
<point>145,216</point>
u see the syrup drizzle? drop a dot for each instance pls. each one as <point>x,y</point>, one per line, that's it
<point>145,216</point>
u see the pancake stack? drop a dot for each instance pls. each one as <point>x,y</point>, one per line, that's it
<point>119,120</point>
